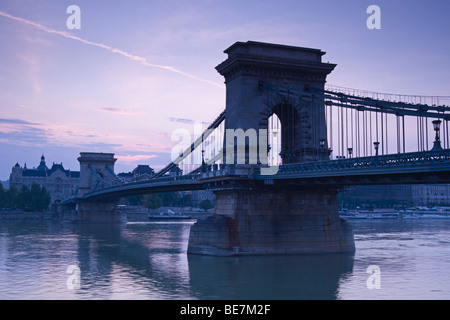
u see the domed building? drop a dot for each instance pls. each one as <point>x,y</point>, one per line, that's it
<point>59,182</point>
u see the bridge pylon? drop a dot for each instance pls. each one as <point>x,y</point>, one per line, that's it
<point>273,219</point>
<point>250,104</point>
<point>96,172</point>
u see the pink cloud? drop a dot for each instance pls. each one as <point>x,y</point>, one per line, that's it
<point>128,159</point>
<point>118,111</point>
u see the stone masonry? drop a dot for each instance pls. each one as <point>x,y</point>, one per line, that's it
<point>278,219</point>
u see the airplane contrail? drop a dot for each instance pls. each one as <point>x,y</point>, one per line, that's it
<point>108,48</point>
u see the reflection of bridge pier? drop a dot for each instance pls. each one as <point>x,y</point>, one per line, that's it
<point>155,262</point>
<point>294,277</point>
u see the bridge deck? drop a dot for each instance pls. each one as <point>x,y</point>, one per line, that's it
<point>419,167</point>
<point>414,167</point>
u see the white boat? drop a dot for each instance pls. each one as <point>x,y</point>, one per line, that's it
<point>426,213</point>
<point>392,214</point>
<point>434,216</point>
<point>408,214</point>
<point>388,215</point>
<point>169,214</point>
<point>365,214</point>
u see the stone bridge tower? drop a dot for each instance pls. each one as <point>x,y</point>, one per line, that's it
<point>274,218</point>
<point>249,103</point>
<point>96,170</point>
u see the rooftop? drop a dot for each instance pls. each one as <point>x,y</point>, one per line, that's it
<point>274,50</point>
<point>43,171</point>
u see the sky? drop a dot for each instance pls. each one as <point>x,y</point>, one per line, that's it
<point>137,70</point>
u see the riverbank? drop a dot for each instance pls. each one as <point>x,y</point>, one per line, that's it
<point>137,213</point>
<point>18,215</point>
<point>133,213</point>
<point>395,214</point>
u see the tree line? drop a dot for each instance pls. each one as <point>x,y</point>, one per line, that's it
<point>38,199</point>
<point>33,199</point>
<point>170,199</point>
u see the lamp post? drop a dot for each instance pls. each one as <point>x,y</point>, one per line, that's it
<point>322,149</point>
<point>203,161</point>
<point>376,145</point>
<point>437,140</point>
<point>350,151</point>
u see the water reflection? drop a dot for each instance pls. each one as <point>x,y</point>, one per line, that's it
<point>148,258</point>
<point>144,260</point>
<point>149,261</point>
<point>153,259</point>
<point>268,277</point>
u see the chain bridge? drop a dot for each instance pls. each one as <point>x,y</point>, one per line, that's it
<point>279,153</point>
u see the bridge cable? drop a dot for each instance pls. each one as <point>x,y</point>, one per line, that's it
<point>331,127</point>
<point>365,132</point>
<point>358,131</point>
<point>446,127</point>
<point>312,119</point>
<point>418,134</point>
<point>387,135</point>
<point>376,121</point>
<point>193,146</point>
<point>339,132</point>
<point>352,125</point>
<point>342,132</point>
<point>346,128</point>
<point>404,145</point>
<point>398,132</point>
<point>382,134</point>
<point>422,133</point>
<point>292,125</point>
<point>369,135</point>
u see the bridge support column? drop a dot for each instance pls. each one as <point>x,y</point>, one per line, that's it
<point>98,212</point>
<point>288,221</point>
<point>96,170</point>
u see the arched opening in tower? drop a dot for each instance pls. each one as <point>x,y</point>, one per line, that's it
<point>274,140</point>
<point>283,126</point>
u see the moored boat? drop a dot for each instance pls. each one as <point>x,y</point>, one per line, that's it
<point>169,214</point>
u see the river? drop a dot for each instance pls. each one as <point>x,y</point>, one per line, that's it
<point>42,259</point>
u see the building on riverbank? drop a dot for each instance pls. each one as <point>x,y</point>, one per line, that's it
<point>397,195</point>
<point>59,182</point>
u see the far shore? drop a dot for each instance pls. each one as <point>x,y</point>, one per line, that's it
<point>17,214</point>
<point>133,213</point>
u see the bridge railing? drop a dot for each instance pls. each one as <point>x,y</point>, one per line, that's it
<point>401,159</point>
<point>381,161</point>
<point>163,179</point>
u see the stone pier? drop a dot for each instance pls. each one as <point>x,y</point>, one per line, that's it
<point>96,171</point>
<point>264,222</point>
<point>284,218</point>
<point>95,212</point>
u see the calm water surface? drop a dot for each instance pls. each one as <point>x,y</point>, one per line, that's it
<point>148,260</point>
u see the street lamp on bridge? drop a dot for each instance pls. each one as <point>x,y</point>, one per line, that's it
<point>437,140</point>
<point>203,161</point>
<point>322,149</point>
<point>376,145</point>
<point>350,151</point>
